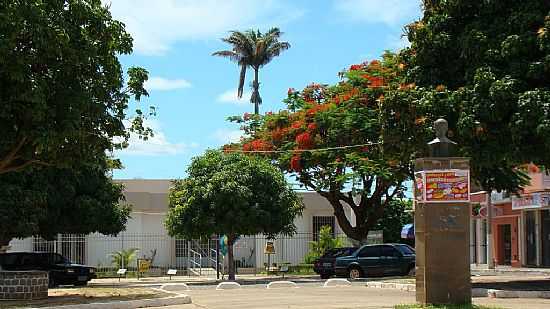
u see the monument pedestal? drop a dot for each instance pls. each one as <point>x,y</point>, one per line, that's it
<point>442,231</point>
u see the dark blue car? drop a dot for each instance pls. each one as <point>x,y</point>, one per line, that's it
<point>377,260</point>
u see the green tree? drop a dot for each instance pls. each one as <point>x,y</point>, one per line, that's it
<point>63,95</point>
<point>47,201</point>
<point>253,49</point>
<point>234,195</point>
<point>334,141</point>
<point>485,67</point>
<point>325,243</point>
<point>396,215</point>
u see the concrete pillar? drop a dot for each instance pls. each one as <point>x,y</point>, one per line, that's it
<point>442,242</point>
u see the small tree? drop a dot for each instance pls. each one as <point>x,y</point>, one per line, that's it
<point>325,243</point>
<point>123,258</point>
<point>232,194</point>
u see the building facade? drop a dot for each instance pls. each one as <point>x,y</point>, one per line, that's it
<point>145,231</point>
<point>520,225</point>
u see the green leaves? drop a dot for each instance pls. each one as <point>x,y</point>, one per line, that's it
<point>232,194</point>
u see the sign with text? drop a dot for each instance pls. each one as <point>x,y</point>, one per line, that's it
<point>442,186</point>
<point>269,248</point>
<point>534,200</point>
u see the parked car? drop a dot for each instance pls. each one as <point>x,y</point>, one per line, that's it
<point>61,270</point>
<point>377,260</point>
<point>324,266</point>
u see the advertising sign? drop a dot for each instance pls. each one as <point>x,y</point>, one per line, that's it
<point>442,186</point>
<point>269,248</point>
<point>535,200</point>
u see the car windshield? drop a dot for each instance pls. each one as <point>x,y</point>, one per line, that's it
<point>405,249</point>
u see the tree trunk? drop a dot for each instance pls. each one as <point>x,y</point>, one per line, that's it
<point>490,243</point>
<point>255,97</point>
<point>230,257</point>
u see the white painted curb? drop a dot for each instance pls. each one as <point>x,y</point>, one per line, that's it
<point>228,286</point>
<point>174,287</point>
<point>517,294</point>
<point>141,303</point>
<point>336,282</point>
<point>282,284</point>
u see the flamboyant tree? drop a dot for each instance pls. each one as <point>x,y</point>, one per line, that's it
<point>332,138</point>
<point>233,195</point>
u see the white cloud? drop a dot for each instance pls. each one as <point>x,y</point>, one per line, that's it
<point>157,24</point>
<point>390,12</point>
<point>158,145</point>
<point>230,96</point>
<point>163,84</point>
<point>225,136</point>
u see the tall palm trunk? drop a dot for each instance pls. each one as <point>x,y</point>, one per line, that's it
<point>255,97</point>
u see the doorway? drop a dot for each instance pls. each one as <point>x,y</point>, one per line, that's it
<point>530,237</point>
<point>505,235</point>
<point>545,222</point>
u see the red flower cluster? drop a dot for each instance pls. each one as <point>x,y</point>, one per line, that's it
<point>356,67</point>
<point>257,145</point>
<point>296,163</point>
<point>297,124</point>
<point>246,116</point>
<point>312,126</point>
<point>278,134</point>
<point>376,81</point>
<point>317,108</point>
<point>304,140</point>
<point>291,91</point>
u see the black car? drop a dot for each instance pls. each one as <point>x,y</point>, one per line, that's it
<point>377,260</point>
<point>324,266</point>
<point>61,270</point>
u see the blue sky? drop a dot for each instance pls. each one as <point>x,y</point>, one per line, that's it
<point>194,92</point>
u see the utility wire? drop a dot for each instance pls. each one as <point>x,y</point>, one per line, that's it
<point>303,150</point>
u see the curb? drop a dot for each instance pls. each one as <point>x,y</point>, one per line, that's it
<point>141,303</point>
<point>476,292</point>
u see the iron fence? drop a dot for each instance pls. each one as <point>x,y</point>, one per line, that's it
<point>189,257</point>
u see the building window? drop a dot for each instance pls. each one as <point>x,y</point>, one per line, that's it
<point>319,222</point>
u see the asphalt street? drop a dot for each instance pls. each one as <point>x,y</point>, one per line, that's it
<point>309,296</point>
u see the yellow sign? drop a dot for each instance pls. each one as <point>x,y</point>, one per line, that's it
<point>144,265</point>
<point>269,248</point>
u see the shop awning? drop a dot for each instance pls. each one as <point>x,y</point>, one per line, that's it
<point>407,232</point>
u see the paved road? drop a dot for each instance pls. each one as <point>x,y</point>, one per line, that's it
<point>310,296</point>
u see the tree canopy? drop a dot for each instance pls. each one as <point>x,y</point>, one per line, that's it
<point>485,67</point>
<point>47,201</point>
<point>231,194</point>
<point>64,98</point>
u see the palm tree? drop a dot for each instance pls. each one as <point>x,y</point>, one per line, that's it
<point>123,258</point>
<point>253,49</point>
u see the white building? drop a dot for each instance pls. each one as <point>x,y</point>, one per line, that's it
<point>145,230</point>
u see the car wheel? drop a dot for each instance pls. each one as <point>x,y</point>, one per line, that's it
<point>81,283</point>
<point>412,271</point>
<point>355,273</point>
<point>323,276</point>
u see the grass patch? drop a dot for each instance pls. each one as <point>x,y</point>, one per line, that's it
<point>86,295</point>
<point>416,306</point>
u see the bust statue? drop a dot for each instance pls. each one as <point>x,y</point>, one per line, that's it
<point>441,146</point>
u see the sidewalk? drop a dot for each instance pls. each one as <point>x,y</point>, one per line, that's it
<point>483,270</point>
